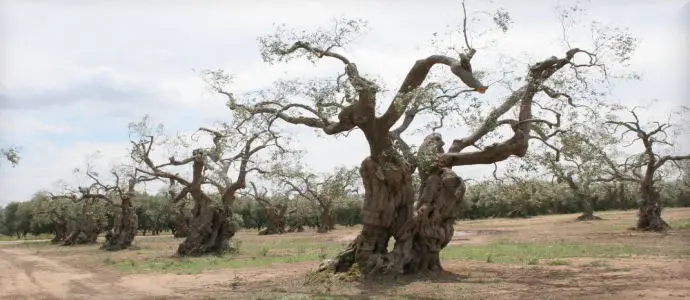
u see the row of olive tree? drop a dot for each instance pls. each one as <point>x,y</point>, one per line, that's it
<point>510,198</point>
<point>410,194</point>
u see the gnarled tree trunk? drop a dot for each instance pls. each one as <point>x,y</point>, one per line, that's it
<point>587,209</point>
<point>276,216</point>
<point>582,195</point>
<point>326,224</point>
<point>86,229</point>
<point>61,229</point>
<point>124,230</point>
<point>421,229</point>
<point>649,215</point>
<point>210,226</point>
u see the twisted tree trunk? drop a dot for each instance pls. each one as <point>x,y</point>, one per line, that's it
<point>276,216</point>
<point>587,208</point>
<point>86,230</point>
<point>421,229</point>
<point>210,227</point>
<point>61,229</point>
<point>326,224</point>
<point>124,230</point>
<point>649,215</point>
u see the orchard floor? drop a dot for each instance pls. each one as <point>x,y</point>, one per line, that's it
<point>550,257</point>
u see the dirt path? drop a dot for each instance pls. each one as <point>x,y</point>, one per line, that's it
<point>24,275</point>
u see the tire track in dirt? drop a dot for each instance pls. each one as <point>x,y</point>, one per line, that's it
<point>27,276</point>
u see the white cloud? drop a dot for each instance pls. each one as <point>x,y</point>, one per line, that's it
<point>50,47</point>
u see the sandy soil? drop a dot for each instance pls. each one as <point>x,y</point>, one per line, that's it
<point>27,276</point>
<point>32,274</point>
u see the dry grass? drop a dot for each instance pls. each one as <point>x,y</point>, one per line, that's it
<point>550,257</point>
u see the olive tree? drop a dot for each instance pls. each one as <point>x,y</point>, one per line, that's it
<point>55,211</point>
<point>423,226</point>
<point>235,147</point>
<point>90,220</point>
<point>323,190</point>
<point>276,205</point>
<point>643,168</point>
<point>126,221</point>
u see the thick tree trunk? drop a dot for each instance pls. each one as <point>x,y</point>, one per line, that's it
<point>210,228</point>
<point>86,230</point>
<point>124,230</point>
<point>420,229</point>
<point>61,230</point>
<point>326,221</point>
<point>276,216</point>
<point>649,215</point>
<point>582,195</point>
<point>587,210</point>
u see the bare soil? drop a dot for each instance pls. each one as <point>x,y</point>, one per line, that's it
<point>54,272</point>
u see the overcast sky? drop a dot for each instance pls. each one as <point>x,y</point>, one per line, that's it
<point>74,73</point>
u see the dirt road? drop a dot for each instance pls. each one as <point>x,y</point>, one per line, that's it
<point>24,275</point>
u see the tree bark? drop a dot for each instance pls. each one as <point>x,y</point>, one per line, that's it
<point>61,229</point>
<point>326,221</point>
<point>210,228</point>
<point>124,230</point>
<point>86,230</point>
<point>420,229</point>
<point>276,216</point>
<point>587,210</point>
<point>649,215</point>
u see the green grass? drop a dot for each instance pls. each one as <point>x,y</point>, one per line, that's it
<point>680,224</point>
<point>30,244</point>
<point>302,250</point>
<point>28,237</point>
<point>531,253</point>
<point>256,255</point>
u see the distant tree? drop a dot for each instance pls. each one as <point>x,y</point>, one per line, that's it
<point>234,145</point>
<point>17,218</point>
<point>643,168</point>
<point>91,219</point>
<point>276,206</point>
<point>578,161</point>
<point>57,213</point>
<point>324,190</point>
<point>154,213</point>
<point>126,222</point>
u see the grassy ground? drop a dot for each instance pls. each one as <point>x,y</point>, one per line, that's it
<point>28,237</point>
<point>550,257</point>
